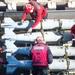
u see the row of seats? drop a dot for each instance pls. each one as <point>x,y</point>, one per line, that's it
<point>51,4</point>
<point>12,5</point>
<point>71,4</point>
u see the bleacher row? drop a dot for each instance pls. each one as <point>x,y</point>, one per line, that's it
<point>50,4</point>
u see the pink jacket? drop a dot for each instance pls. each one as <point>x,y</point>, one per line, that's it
<point>39,55</point>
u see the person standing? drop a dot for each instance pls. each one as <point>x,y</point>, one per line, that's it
<point>41,56</point>
<point>37,12</point>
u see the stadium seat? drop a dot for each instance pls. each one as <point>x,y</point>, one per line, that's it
<point>51,5</point>
<point>11,5</point>
<point>22,2</point>
<point>71,4</point>
<point>59,2</point>
<point>71,0</point>
<point>12,1</point>
<point>2,6</point>
<point>44,2</point>
<point>25,1</point>
<point>67,23</point>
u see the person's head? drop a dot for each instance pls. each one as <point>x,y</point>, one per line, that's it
<point>39,39</point>
<point>28,8</point>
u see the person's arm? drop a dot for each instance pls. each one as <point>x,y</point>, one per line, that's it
<point>23,16</point>
<point>50,56</point>
<point>37,20</point>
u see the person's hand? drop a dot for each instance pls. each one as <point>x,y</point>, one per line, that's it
<point>22,21</point>
<point>29,30</point>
